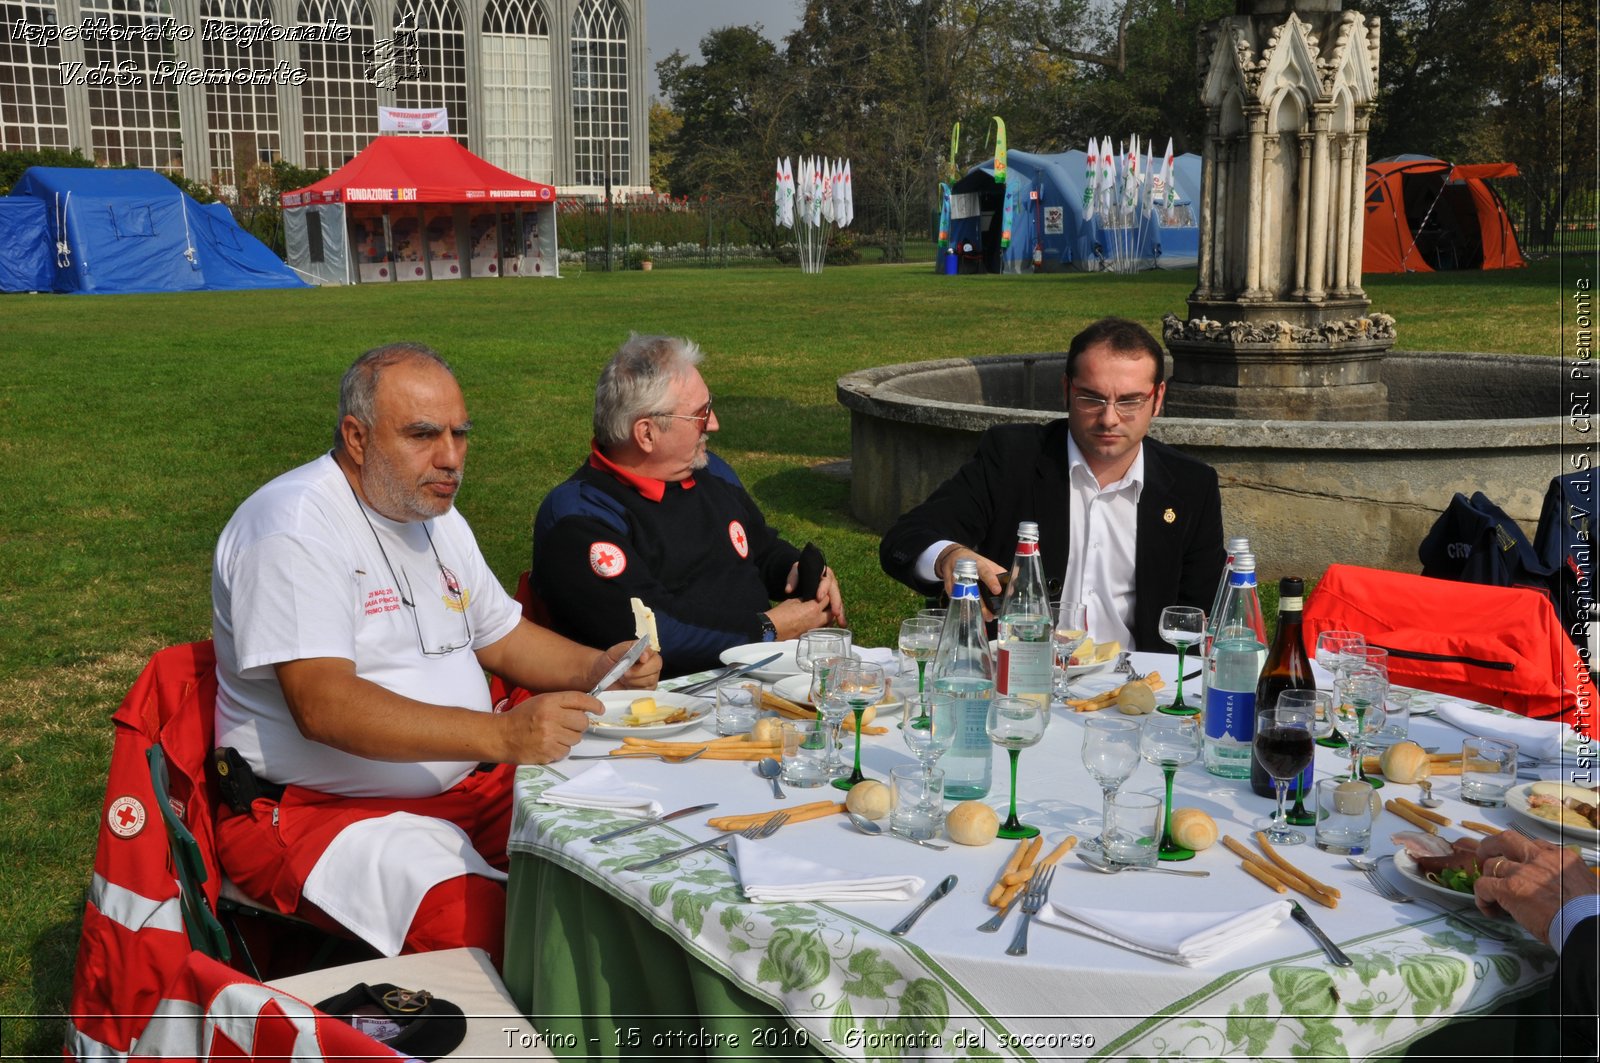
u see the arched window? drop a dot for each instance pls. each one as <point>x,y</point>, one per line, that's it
<point>442,53</point>
<point>243,119</point>
<point>599,93</point>
<point>518,115</point>
<point>134,120</point>
<point>33,109</point>
<point>338,101</point>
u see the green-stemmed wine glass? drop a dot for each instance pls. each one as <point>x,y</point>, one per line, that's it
<point>1170,742</point>
<point>1014,724</point>
<point>857,684</point>
<point>1182,626</point>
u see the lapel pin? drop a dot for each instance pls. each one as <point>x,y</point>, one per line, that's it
<point>1168,515</point>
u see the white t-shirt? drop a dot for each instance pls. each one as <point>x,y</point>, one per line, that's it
<point>299,573</point>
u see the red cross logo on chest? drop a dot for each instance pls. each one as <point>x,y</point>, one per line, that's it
<point>736,536</point>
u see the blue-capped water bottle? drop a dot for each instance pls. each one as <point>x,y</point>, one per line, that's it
<point>1230,711</point>
<point>963,669</point>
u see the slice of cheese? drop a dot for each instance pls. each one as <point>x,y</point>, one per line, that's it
<point>1105,651</point>
<point>644,623</point>
<point>645,710</point>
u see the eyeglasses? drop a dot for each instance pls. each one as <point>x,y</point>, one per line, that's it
<point>1095,404</point>
<point>457,603</point>
<point>703,416</point>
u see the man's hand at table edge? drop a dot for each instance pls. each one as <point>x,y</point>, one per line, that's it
<point>1529,880</point>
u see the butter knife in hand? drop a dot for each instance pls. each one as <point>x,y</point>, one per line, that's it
<point>654,821</point>
<point>1333,952</point>
<point>904,925</point>
<point>628,660</point>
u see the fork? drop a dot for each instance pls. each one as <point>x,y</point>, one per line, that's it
<point>1032,900</point>
<point>756,833</point>
<point>641,753</point>
<point>1585,853</point>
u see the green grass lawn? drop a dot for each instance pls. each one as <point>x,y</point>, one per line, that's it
<point>134,425</point>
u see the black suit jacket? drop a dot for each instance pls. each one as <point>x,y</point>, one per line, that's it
<point>1576,990</point>
<point>1020,472</point>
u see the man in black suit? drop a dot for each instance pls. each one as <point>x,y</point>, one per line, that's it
<point>1548,890</point>
<point>1127,525</point>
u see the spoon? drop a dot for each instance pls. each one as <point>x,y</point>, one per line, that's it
<point>866,826</point>
<point>769,769</point>
<point>1428,800</point>
<point>1106,867</point>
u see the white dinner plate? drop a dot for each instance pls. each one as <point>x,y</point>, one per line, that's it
<point>771,673</point>
<point>797,688</point>
<point>1517,801</point>
<point>1407,867</point>
<point>617,701</point>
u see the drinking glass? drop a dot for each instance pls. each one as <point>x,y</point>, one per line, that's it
<point>1072,628</point>
<point>1015,724</point>
<point>1320,704</point>
<point>1336,652</point>
<point>1488,770</point>
<point>815,645</point>
<point>934,613</point>
<point>1358,707</point>
<point>831,710</point>
<point>1182,626</point>
<point>856,684</point>
<point>931,735</point>
<point>1170,742</point>
<point>1110,753</point>
<point>1284,746</point>
<point>919,640</point>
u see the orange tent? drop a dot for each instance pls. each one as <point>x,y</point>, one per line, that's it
<point>1426,214</point>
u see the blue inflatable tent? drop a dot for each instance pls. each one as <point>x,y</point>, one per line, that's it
<point>25,264</point>
<point>114,231</point>
<point>1046,194</point>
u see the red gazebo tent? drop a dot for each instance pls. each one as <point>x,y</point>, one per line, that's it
<point>420,208</point>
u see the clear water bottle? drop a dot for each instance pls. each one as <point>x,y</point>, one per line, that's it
<point>1026,661</point>
<point>1240,614</point>
<point>963,669</point>
<point>1232,671</point>
<point>1236,546</point>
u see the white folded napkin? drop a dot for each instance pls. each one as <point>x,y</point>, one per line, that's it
<point>1189,938</point>
<point>877,654</point>
<point>1541,739</point>
<point>602,787</point>
<point>770,874</point>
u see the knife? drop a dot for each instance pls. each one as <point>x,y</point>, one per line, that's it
<point>642,824</point>
<point>731,673</point>
<point>628,659</point>
<point>1334,953</point>
<point>900,928</point>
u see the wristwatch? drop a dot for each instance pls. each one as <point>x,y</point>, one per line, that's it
<point>769,630</point>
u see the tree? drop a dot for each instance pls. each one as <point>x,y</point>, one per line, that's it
<point>664,126</point>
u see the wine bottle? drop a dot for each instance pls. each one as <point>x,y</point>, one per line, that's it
<point>1287,668</point>
<point>1026,658</point>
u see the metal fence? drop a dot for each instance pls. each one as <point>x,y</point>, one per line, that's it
<point>1576,231</point>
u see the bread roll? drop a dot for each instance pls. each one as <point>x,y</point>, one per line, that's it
<point>1136,699</point>
<point>868,798</point>
<point>1404,762</point>
<point>768,729</point>
<point>1193,829</point>
<point>972,823</point>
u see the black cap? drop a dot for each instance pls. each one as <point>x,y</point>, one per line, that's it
<point>1291,587</point>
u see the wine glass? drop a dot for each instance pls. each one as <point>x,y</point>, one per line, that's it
<point>1170,742</point>
<point>831,710</point>
<point>814,645</point>
<point>1320,704</point>
<point>1336,652</point>
<point>856,684</point>
<point>1358,707</point>
<point>1283,746</point>
<point>1110,753</point>
<point>1182,626</point>
<point>1071,630</point>
<point>1014,724</point>
<point>934,612</point>
<point>919,640</point>
<point>930,735</point>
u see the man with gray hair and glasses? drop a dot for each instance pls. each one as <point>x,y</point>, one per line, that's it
<point>653,515</point>
<point>367,780</point>
<point>1127,525</point>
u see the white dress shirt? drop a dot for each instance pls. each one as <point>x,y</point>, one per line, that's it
<point>1104,525</point>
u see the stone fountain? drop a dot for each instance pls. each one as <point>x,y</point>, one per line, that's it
<point>1329,447</point>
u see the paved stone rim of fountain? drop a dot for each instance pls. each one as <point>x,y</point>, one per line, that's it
<point>882,392</point>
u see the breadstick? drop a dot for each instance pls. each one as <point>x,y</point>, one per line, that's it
<point>1328,896</point>
<point>1411,817</point>
<point>1266,877</point>
<point>1425,813</point>
<point>1013,877</point>
<point>798,814</point>
<point>1481,828</point>
<point>1016,861</point>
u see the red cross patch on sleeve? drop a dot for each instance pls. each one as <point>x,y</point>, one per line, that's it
<point>607,560</point>
<point>736,536</point>
<point>126,816</point>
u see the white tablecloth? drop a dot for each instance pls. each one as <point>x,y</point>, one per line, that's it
<point>834,970</point>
